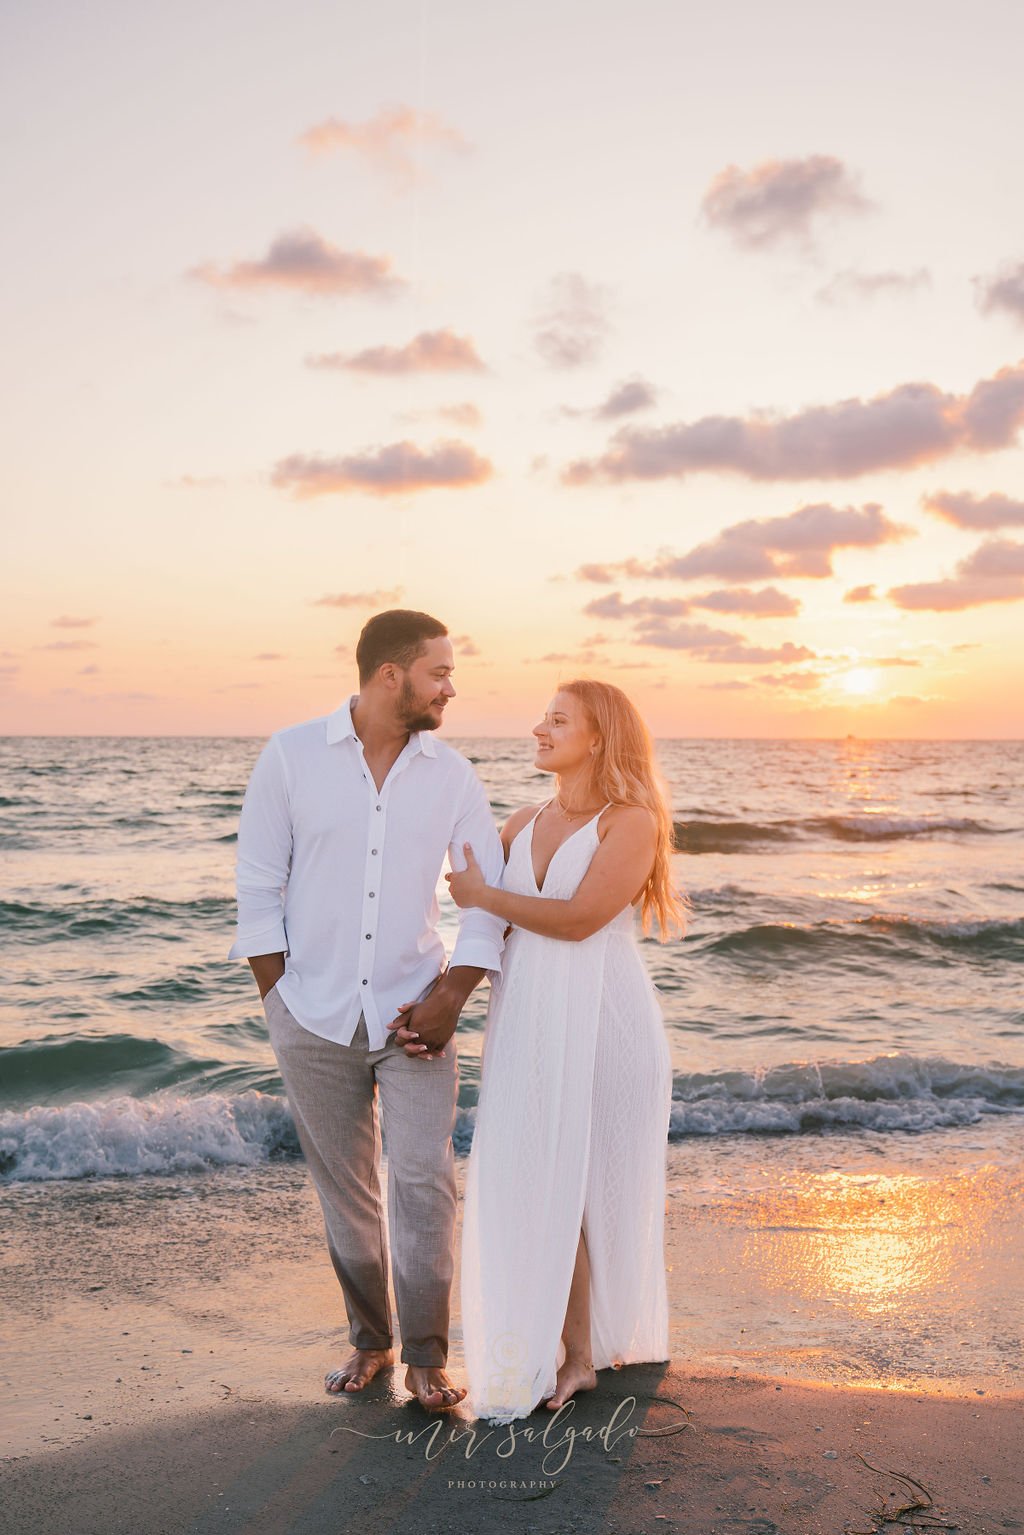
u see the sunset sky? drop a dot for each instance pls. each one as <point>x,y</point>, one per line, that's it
<point>673,344</point>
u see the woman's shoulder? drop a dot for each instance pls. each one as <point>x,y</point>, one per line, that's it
<point>517,820</point>
<point>635,820</point>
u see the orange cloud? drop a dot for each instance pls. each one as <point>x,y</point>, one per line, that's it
<point>397,469</point>
<point>67,622</point>
<point>305,262</point>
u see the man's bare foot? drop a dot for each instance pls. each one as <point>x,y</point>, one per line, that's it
<point>576,1374</point>
<point>431,1386</point>
<point>360,1366</point>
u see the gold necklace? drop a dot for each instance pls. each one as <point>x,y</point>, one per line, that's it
<point>570,815</point>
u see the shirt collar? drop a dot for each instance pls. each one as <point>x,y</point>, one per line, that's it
<point>339,725</point>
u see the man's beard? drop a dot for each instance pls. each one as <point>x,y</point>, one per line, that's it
<point>407,710</point>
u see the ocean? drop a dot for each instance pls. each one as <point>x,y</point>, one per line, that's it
<point>853,967</point>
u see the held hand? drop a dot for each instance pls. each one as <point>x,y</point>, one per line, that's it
<point>431,1022</point>
<point>467,885</point>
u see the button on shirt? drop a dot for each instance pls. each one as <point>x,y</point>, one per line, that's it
<point>342,878</point>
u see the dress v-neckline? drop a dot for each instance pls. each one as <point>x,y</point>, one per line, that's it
<point>529,846</point>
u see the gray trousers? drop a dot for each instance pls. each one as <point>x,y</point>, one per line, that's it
<point>332,1092</point>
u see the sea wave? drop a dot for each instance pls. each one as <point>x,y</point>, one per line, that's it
<point>45,921</point>
<point>129,1137</point>
<point>725,836</point>
<point>887,1093</point>
<point>837,937</point>
<point>61,1068</point>
<point>168,1133</point>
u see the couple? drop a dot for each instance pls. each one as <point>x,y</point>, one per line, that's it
<point>344,829</point>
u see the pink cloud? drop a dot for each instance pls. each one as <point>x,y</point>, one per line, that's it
<point>380,598</point>
<point>432,351</point>
<point>779,200</point>
<point>387,142</point>
<point>994,572</point>
<point>912,424</point>
<point>1004,290</point>
<point>984,513</point>
<point>768,602</point>
<point>858,287</point>
<point>397,469</point>
<point>67,622</point>
<point>305,262</point>
<point>860,594</point>
<point>572,323</point>
<point>613,606</point>
<point>801,543</point>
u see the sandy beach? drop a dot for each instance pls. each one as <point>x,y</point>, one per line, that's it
<point>167,1342</point>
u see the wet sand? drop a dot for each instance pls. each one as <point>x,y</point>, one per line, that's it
<point>166,1342</point>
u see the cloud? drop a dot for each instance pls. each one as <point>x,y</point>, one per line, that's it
<point>780,200</point>
<point>195,482</point>
<point>572,323</point>
<point>632,395</point>
<point>912,424</point>
<point>432,351</point>
<point>802,682</point>
<point>891,661</point>
<point>762,655</point>
<point>397,469</point>
<point>801,543</point>
<point>67,645</point>
<point>769,602</point>
<point>718,645</point>
<point>604,575</point>
<point>305,262</point>
<point>65,621</point>
<point>1004,290</point>
<point>467,645</point>
<point>269,655</point>
<point>733,686</point>
<point>984,513</point>
<point>994,572</point>
<point>88,671</point>
<point>857,287</point>
<point>387,142</point>
<point>375,599</point>
<point>613,606</point>
<point>861,594</point>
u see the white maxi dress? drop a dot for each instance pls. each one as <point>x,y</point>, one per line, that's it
<point>571,1130</point>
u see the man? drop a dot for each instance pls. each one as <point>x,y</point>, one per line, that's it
<point>344,829</point>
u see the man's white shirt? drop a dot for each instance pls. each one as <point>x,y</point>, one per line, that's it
<point>343,879</point>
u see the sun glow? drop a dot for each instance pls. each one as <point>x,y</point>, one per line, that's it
<point>859,681</point>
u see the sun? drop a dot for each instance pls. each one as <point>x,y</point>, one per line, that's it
<point>859,681</point>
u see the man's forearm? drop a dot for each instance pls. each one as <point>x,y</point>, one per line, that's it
<point>268,970</point>
<point>459,981</point>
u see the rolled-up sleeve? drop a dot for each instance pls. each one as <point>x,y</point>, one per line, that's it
<point>264,857</point>
<point>481,934</point>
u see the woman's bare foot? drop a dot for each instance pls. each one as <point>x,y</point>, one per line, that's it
<point>432,1388</point>
<point>576,1374</point>
<point>360,1366</point>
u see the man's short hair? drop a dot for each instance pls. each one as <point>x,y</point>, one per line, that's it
<point>399,636</point>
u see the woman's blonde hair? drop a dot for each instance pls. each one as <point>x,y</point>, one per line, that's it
<point>625,772</point>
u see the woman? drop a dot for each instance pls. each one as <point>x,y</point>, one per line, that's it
<point>563,1232</point>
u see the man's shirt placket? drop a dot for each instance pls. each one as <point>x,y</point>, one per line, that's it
<point>376,832</point>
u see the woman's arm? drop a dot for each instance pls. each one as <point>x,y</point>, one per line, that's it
<point>617,873</point>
